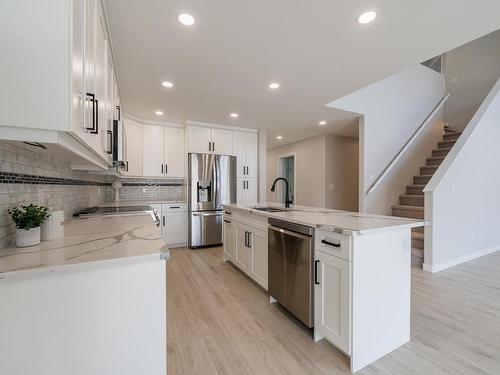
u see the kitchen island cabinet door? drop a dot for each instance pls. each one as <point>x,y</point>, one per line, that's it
<point>332,299</point>
<point>229,239</point>
<point>258,242</point>
<point>243,251</point>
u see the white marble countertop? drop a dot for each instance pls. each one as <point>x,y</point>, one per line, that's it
<point>112,239</point>
<point>350,223</point>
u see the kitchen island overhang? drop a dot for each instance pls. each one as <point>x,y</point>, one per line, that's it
<point>93,302</point>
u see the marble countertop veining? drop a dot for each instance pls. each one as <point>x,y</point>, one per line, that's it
<point>102,238</point>
<point>350,223</point>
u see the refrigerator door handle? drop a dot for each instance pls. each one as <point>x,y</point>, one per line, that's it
<point>218,213</point>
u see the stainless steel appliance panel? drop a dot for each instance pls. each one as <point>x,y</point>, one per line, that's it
<point>212,183</point>
<point>291,263</point>
<point>225,180</point>
<point>202,169</point>
<point>205,228</point>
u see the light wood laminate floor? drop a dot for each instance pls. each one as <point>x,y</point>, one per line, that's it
<point>220,322</point>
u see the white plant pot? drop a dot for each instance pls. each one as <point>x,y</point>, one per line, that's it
<point>30,237</point>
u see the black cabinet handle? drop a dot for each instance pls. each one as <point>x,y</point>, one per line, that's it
<point>227,212</point>
<point>316,272</point>
<point>96,108</point>
<point>110,133</point>
<point>119,112</point>
<point>325,242</point>
<point>92,99</point>
<point>246,239</point>
<point>162,169</point>
<point>175,207</point>
<point>126,165</point>
<point>249,239</point>
<point>227,221</point>
<point>209,146</point>
<point>213,146</point>
<point>163,220</point>
<point>243,170</point>
<point>166,168</point>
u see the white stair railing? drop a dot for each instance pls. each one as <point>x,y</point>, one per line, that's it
<point>407,145</point>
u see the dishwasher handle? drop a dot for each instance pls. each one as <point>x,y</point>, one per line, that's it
<point>289,232</point>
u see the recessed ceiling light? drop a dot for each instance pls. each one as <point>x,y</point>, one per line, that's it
<point>186,19</point>
<point>159,113</point>
<point>167,84</point>
<point>367,17</point>
<point>322,122</point>
<point>279,137</point>
<point>274,85</point>
<point>234,115</point>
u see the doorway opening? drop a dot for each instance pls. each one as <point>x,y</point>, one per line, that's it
<point>287,169</point>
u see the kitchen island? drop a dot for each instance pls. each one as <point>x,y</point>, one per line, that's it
<point>93,302</point>
<point>359,271</point>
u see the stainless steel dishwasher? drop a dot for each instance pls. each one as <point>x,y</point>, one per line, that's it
<point>291,262</point>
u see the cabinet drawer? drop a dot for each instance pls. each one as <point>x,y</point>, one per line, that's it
<point>332,243</point>
<point>173,207</point>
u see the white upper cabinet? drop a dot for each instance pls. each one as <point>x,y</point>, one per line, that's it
<point>199,139</point>
<point>153,146</point>
<point>222,141</point>
<point>175,158</point>
<point>66,90</point>
<point>133,144</point>
<point>163,151</point>
<point>245,146</point>
<point>101,77</point>
<point>210,140</point>
<point>251,147</point>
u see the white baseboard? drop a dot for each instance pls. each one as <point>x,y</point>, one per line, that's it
<point>454,262</point>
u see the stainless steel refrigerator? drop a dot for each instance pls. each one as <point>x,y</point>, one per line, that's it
<point>212,183</point>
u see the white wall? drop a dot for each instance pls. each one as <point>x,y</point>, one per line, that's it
<point>326,171</point>
<point>471,71</point>
<point>462,198</point>
<point>341,173</point>
<point>392,109</point>
<point>309,171</point>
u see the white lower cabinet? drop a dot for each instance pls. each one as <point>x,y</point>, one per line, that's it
<point>229,239</point>
<point>258,243</point>
<point>332,299</point>
<point>174,223</point>
<point>243,257</point>
<point>245,244</point>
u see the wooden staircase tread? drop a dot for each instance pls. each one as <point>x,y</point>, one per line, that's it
<point>417,235</point>
<point>409,208</point>
<point>416,196</point>
<point>436,157</point>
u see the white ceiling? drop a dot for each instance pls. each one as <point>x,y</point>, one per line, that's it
<point>315,49</point>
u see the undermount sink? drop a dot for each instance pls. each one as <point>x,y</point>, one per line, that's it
<point>272,209</point>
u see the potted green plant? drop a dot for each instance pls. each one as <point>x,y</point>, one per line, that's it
<point>28,220</point>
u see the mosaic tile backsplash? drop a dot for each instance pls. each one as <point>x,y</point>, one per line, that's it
<point>32,177</point>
